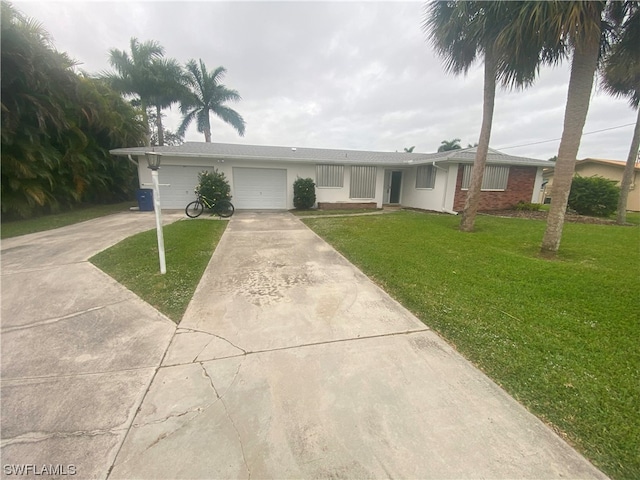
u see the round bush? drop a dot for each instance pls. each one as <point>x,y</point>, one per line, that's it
<point>304,193</point>
<point>596,196</point>
<point>213,185</point>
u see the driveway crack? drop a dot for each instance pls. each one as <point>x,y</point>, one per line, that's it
<point>35,437</point>
<point>226,411</point>
<point>233,424</point>
<point>213,335</point>
<point>59,319</point>
<point>206,374</point>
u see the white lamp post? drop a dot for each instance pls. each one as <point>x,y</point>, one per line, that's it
<point>153,159</point>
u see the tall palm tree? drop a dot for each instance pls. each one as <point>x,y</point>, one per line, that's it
<point>572,27</point>
<point>136,73</point>
<point>169,80</point>
<point>461,32</point>
<point>581,24</point>
<point>448,145</point>
<point>207,95</point>
<point>621,78</point>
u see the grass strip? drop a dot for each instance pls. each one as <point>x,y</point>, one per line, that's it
<point>321,213</point>
<point>133,262</point>
<point>57,220</point>
<point>560,336</point>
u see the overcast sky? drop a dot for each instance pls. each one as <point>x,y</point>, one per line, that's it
<point>340,75</point>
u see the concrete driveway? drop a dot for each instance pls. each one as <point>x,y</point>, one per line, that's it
<point>78,350</point>
<point>290,363</point>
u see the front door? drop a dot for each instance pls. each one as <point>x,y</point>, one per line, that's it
<point>396,183</point>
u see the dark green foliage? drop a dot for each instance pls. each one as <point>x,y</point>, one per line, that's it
<point>57,127</point>
<point>527,206</point>
<point>304,193</point>
<point>596,196</point>
<point>148,79</point>
<point>213,185</point>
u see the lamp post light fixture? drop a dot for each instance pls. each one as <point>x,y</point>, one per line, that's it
<point>153,160</point>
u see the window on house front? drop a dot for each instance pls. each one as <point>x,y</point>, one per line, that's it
<point>329,176</point>
<point>495,177</point>
<point>363,182</point>
<point>426,176</point>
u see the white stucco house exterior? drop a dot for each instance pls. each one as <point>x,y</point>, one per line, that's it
<point>261,177</point>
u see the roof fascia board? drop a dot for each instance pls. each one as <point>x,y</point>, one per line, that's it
<point>218,156</point>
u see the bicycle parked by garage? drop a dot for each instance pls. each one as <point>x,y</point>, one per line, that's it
<point>222,208</point>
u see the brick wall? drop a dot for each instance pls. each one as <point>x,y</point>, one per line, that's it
<point>345,205</point>
<point>519,188</point>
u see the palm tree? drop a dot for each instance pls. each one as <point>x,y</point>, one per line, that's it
<point>169,80</point>
<point>136,73</point>
<point>461,32</point>
<point>409,149</point>
<point>621,78</point>
<point>447,145</point>
<point>564,27</point>
<point>207,95</point>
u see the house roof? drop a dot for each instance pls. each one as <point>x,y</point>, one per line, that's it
<point>616,163</point>
<point>315,155</point>
<point>467,155</point>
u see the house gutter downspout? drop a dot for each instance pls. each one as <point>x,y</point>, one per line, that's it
<point>446,184</point>
<point>132,160</point>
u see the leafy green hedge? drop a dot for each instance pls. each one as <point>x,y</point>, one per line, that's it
<point>304,193</point>
<point>58,127</point>
<point>596,196</point>
<point>213,185</point>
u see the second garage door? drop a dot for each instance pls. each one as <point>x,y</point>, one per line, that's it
<point>259,188</point>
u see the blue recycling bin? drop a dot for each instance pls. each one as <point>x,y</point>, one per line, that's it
<point>145,199</point>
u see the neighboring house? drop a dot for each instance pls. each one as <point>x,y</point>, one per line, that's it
<point>611,169</point>
<point>261,177</point>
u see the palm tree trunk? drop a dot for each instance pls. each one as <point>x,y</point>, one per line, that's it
<point>627,176</point>
<point>475,185</point>
<point>583,68</point>
<point>145,120</point>
<point>159,125</point>
<point>207,128</point>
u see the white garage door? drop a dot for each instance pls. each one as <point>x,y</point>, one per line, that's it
<point>259,188</point>
<point>182,181</point>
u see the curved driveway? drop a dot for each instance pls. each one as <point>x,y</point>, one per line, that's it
<point>289,363</point>
<point>78,349</point>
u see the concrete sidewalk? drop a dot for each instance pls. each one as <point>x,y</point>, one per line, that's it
<point>78,349</point>
<point>290,363</point>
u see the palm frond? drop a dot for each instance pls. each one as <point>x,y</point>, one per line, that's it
<point>208,95</point>
<point>231,117</point>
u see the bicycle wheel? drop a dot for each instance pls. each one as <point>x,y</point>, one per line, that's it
<point>194,209</point>
<point>224,208</point>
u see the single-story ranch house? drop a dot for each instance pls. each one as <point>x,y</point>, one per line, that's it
<point>261,177</point>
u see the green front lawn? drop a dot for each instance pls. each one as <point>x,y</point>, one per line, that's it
<point>133,262</point>
<point>57,220</point>
<point>560,336</point>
